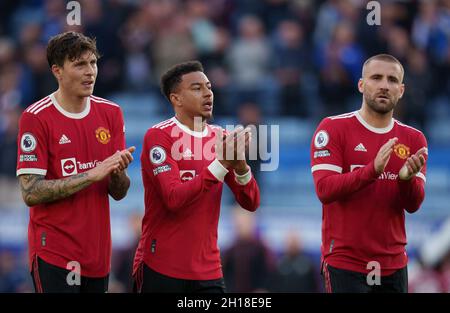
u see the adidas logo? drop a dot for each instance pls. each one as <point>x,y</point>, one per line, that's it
<point>361,148</point>
<point>64,140</point>
<point>187,154</point>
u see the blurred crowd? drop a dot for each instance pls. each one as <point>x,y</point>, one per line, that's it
<point>292,57</point>
<point>299,58</point>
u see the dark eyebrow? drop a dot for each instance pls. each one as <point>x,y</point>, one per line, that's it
<point>85,61</point>
<point>393,78</point>
<point>389,77</point>
<point>199,84</point>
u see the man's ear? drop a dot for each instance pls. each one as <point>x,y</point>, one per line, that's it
<point>175,99</point>
<point>56,70</point>
<point>361,85</point>
<point>402,90</point>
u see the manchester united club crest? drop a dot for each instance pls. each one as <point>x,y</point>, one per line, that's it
<point>102,134</point>
<point>401,151</point>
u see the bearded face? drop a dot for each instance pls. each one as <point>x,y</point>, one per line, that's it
<point>381,102</point>
<point>382,85</point>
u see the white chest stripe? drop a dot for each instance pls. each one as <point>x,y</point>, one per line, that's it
<point>326,167</point>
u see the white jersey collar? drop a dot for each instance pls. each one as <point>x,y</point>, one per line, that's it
<point>186,129</point>
<point>77,116</point>
<point>375,129</point>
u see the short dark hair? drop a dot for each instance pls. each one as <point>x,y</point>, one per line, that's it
<point>69,45</point>
<point>172,78</point>
<point>386,58</point>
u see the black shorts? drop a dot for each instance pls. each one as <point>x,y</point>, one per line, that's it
<point>147,280</point>
<point>339,280</point>
<point>48,278</point>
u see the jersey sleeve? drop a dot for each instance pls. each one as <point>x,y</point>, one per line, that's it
<point>32,146</point>
<point>119,131</point>
<point>245,189</point>
<point>412,192</point>
<point>157,161</point>
<point>423,144</point>
<point>327,148</point>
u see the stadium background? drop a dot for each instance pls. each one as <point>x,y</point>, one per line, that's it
<point>283,62</point>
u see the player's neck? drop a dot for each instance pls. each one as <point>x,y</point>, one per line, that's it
<point>375,119</point>
<point>70,103</point>
<point>191,123</point>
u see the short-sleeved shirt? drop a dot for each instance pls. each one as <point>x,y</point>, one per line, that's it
<point>58,145</point>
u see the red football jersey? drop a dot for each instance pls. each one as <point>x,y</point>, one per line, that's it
<point>183,187</point>
<point>363,213</point>
<point>58,144</point>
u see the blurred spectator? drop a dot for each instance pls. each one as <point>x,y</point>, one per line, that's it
<point>432,279</point>
<point>217,72</point>
<point>331,13</point>
<point>9,119</point>
<point>123,259</point>
<point>6,10</point>
<point>54,19</point>
<point>295,270</point>
<point>247,263</point>
<point>249,54</point>
<point>242,8</point>
<point>42,80</point>
<point>30,34</point>
<point>431,29</point>
<point>418,82</point>
<point>135,36</point>
<point>276,11</point>
<point>340,63</point>
<point>248,61</point>
<point>13,275</point>
<point>98,18</point>
<point>9,189</point>
<point>434,272</point>
<point>211,44</point>
<point>11,96</point>
<point>291,58</point>
<point>172,43</point>
<point>398,43</point>
<point>431,34</point>
<point>304,11</point>
<point>7,51</point>
<point>202,28</point>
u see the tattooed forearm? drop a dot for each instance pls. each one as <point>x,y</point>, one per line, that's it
<point>118,185</point>
<point>36,189</point>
